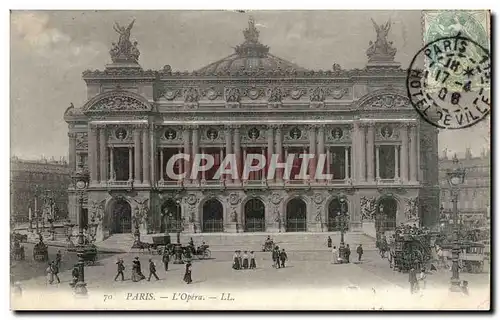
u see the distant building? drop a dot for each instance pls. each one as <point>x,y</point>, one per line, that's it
<point>41,180</point>
<point>475,197</point>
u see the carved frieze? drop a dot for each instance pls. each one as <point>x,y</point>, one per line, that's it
<point>275,94</point>
<point>317,94</point>
<point>388,132</point>
<point>254,92</point>
<point>388,101</point>
<point>119,102</point>
<point>211,93</point>
<point>232,94</point>
<point>253,134</point>
<point>170,94</point>
<point>213,134</point>
<point>296,133</point>
<point>368,208</point>
<point>191,95</point>
<point>338,133</point>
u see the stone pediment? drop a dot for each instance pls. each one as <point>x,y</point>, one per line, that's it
<point>388,98</point>
<point>117,101</point>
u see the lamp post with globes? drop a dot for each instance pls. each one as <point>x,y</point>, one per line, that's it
<point>81,181</point>
<point>342,216</point>
<point>455,177</point>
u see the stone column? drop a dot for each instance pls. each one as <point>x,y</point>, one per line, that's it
<point>404,152</point>
<point>72,151</point>
<point>153,160</point>
<point>137,155</point>
<point>244,159</point>
<point>377,162</point>
<point>103,155</point>
<point>203,173</point>
<point>145,156</point>
<point>229,150</point>
<point>396,162</point>
<point>270,149</point>
<point>328,160</point>
<point>237,152</point>
<point>130,164</point>
<point>362,153</point>
<point>312,150</point>
<point>279,151</point>
<point>369,150</point>
<point>321,145</point>
<point>92,154</point>
<point>355,150</point>
<point>413,153</point>
<point>195,151</point>
<point>111,164</point>
<point>162,165</point>
<point>186,137</point>
<point>346,161</point>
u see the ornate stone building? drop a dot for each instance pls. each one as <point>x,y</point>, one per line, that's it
<point>474,200</point>
<point>382,156</point>
<point>45,180</point>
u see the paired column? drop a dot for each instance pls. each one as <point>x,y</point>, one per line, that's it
<point>195,138</point>
<point>396,162</point>
<point>152,154</point>
<point>370,151</point>
<point>145,156</point>
<point>279,151</point>
<point>237,152</point>
<point>377,161</point>
<point>162,165</point>
<point>362,156</point>
<point>346,163</point>
<point>229,147</point>
<point>111,164</point>
<point>103,155</point>
<point>130,163</point>
<point>321,146</point>
<point>72,151</point>
<point>404,152</point>
<point>413,153</point>
<point>312,150</point>
<point>270,148</point>
<point>92,154</point>
<point>186,137</point>
<point>137,155</point>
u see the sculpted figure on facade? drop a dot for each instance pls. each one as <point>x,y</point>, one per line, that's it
<point>275,95</point>
<point>232,94</point>
<point>368,208</point>
<point>119,102</point>
<point>382,48</point>
<point>317,94</point>
<point>191,95</point>
<point>124,50</point>
<point>411,210</point>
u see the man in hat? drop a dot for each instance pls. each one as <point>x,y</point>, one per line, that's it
<point>120,268</point>
<point>138,268</point>
<point>152,270</point>
<point>166,259</point>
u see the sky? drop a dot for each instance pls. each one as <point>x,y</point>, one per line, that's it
<point>51,49</point>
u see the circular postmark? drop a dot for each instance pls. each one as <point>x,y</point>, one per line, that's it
<point>448,82</point>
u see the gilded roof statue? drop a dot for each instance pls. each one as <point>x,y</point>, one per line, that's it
<point>382,49</point>
<point>124,50</point>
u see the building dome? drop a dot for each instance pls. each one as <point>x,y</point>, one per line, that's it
<point>251,55</point>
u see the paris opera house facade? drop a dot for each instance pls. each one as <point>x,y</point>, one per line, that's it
<point>382,157</point>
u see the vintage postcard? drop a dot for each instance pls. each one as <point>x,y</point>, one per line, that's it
<point>250,160</point>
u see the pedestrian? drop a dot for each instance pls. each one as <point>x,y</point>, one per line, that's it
<point>335,255</point>
<point>252,260</point>
<point>240,259</point>
<point>74,275</point>
<point>136,270</point>
<point>58,259</point>
<point>152,270</point>
<point>347,253</point>
<point>329,242</point>
<point>50,275</point>
<point>236,261</point>
<point>412,278</point>
<point>283,258</point>
<point>276,257</point>
<point>359,251</point>
<point>166,259</point>
<point>187,275</point>
<point>139,269</point>
<point>119,269</point>
<point>55,271</point>
<point>422,280</point>
<point>245,260</point>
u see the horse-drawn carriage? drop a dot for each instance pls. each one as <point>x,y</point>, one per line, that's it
<point>471,257</point>
<point>268,245</point>
<point>410,251</point>
<point>41,252</point>
<point>89,254</point>
<point>17,251</point>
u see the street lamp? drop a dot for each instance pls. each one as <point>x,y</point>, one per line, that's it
<point>455,177</point>
<point>81,180</point>
<point>178,246</point>
<point>69,232</point>
<point>342,216</point>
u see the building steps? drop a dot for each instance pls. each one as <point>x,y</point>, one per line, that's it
<point>120,242</point>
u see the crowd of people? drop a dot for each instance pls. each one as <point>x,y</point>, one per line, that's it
<point>245,260</point>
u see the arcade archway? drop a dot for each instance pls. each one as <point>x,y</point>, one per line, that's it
<point>385,217</point>
<point>121,214</point>
<point>296,215</point>
<point>255,216</point>
<point>213,216</point>
<point>171,217</point>
<point>334,210</point>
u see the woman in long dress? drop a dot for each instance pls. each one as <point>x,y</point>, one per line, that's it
<point>135,271</point>
<point>187,274</point>
<point>245,260</point>
<point>253,265</point>
<point>50,275</point>
<point>335,255</point>
<point>236,261</point>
